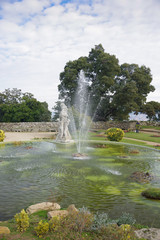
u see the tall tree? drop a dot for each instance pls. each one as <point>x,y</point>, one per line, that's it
<point>116,89</point>
<point>16,106</point>
<point>152,110</point>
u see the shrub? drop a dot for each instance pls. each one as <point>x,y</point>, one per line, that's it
<point>42,228</point>
<point>112,232</point>
<point>126,218</point>
<point>2,135</point>
<point>115,134</point>
<point>79,221</point>
<point>153,193</point>
<point>101,220</point>
<point>55,223</point>
<point>22,221</point>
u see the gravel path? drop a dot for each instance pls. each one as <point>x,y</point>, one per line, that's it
<point>26,136</point>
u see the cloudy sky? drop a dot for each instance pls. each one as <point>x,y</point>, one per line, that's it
<point>38,37</point>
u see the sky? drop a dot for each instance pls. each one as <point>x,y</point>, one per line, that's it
<point>38,37</point>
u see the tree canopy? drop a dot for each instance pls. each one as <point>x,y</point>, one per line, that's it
<point>116,89</point>
<point>16,106</point>
<point>152,110</point>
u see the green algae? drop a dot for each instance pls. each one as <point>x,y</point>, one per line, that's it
<point>112,190</point>
<point>97,178</point>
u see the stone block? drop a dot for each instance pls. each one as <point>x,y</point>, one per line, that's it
<point>148,233</point>
<point>4,230</point>
<point>71,208</point>
<point>57,213</point>
<point>43,206</point>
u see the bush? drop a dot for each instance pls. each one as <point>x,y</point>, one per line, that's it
<point>112,232</point>
<point>126,218</point>
<point>42,228</point>
<point>115,134</point>
<point>2,135</point>
<point>101,220</point>
<point>55,223</point>
<point>79,221</point>
<point>22,221</point>
<point>153,193</point>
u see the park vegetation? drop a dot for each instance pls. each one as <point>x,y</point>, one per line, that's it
<point>79,225</point>
<point>2,135</point>
<point>16,106</point>
<point>115,134</point>
<point>117,89</point>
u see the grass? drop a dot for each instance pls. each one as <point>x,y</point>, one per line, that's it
<point>151,127</point>
<point>143,136</point>
<point>98,136</point>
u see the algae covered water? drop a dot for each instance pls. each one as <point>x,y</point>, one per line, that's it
<point>41,171</point>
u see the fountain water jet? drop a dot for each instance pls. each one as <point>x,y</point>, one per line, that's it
<point>78,118</point>
<point>79,123</point>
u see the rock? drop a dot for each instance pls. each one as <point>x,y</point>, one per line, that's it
<point>4,230</point>
<point>43,206</point>
<point>57,213</point>
<point>141,177</point>
<point>79,155</point>
<point>135,151</point>
<point>149,234</point>
<point>71,208</point>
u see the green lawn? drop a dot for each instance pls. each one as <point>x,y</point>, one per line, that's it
<point>99,136</point>
<point>150,127</point>
<point>143,136</point>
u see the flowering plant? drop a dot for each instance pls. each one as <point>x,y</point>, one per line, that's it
<point>2,135</point>
<point>115,134</point>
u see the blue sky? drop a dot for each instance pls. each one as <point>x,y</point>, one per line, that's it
<point>38,37</point>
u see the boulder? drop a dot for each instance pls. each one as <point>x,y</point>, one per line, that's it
<point>148,233</point>
<point>4,230</point>
<point>43,206</point>
<point>141,177</point>
<point>56,213</point>
<point>71,208</point>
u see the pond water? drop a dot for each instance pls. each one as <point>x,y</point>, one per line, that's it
<point>38,171</point>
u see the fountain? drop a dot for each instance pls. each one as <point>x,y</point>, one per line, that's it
<point>81,108</point>
<point>103,182</point>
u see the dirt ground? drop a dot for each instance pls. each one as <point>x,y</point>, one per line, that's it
<point>26,136</point>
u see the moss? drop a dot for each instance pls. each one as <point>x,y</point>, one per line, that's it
<point>153,193</point>
<point>41,214</point>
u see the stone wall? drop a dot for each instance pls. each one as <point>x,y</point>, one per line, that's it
<point>29,127</point>
<point>53,126</point>
<point>105,125</point>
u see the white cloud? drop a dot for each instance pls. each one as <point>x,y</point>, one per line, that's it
<point>39,36</point>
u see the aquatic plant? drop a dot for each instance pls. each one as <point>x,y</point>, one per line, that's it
<point>153,193</point>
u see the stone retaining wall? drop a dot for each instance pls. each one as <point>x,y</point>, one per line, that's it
<point>53,126</point>
<point>105,125</point>
<point>29,127</point>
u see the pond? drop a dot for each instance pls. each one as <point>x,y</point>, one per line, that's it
<point>39,171</point>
